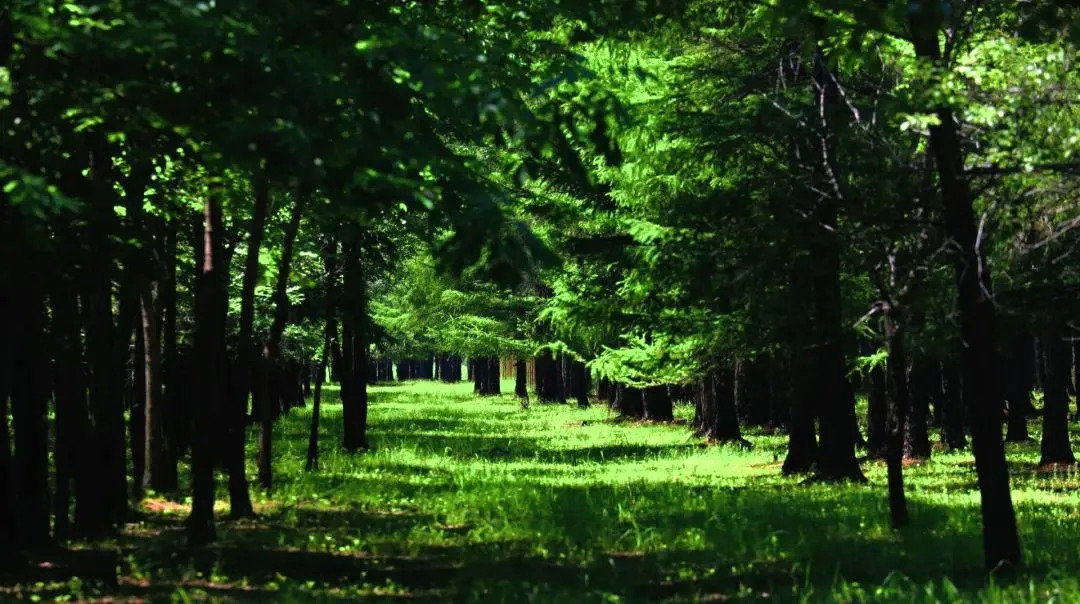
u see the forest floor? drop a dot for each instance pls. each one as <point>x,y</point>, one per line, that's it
<point>466,498</point>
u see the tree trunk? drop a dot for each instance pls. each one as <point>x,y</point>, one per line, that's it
<point>272,344</point>
<point>916,430</point>
<point>657,404</point>
<point>136,396</point>
<point>312,463</point>
<point>158,455</point>
<point>239,492</point>
<point>69,392</point>
<point>548,379</point>
<point>354,401</point>
<point>29,392</point>
<point>836,452</point>
<point>802,453</point>
<point>877,412</point>
<point>718,420</point>
<point>952,427</point>
<point>494,376</point>
<point>1056,448</point>
<point>211,311</point>
<point>521,381</point>
<point>1038,348</point>
<point>629,401</point>
<point>578,384</point>
<point>174,425</point>
<point>1076,374</point>
<point>104,448</point>
<point>982,397</point>
<point>898,404</point>
<point>1019,381</point>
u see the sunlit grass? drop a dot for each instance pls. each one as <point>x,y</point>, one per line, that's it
<point>475,498</point>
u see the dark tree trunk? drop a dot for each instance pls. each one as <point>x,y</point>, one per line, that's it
<point>836,451</point>
<point>271,351</point>
<point>521,381</point>
<point>1037,352</point>
<point>548,379</point>
<point>29,392</point>
<point>494,377</point>
<point>211,311</point>
<point>158,456</point>
<point>1019,381</point>
<point>717,418</point>
<point>354,401</point>
<point>174,424</point>
<point>982,397</point>
<point>629,401</point>
<point>579,384</point>
<point>877,412</point>
<point>1076,374</point>
<point>952,427</point>
<point>312,463</point>
<point>7,491</point>
<point>898,405</point>
<point>916,430</point>
<point>69,391</point>
<point>478,368</point>
<point>8,281</point>
<point>802,453</point>
<point>136,396</point>
<point>235,425</point>
<point>657,403</point>
<point>779,403</point>
<point>604,390</point>
<point>752,392</point>
<point>104,447</point>
<point>1055,437</point>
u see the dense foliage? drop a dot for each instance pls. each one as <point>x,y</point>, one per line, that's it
<point>767,210</point>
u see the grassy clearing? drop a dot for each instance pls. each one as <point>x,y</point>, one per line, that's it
<point>475,499</point>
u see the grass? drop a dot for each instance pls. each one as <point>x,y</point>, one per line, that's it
<point>473,499</point>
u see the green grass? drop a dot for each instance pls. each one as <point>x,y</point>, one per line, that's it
<point>463,498</point>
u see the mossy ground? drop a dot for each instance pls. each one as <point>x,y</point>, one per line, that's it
<point>466,498</point>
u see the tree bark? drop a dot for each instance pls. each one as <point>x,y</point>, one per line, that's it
<point>629,402</point>
<point>1019,381</point>
<point>718,419</point>
<point>272,344</point>
<point>354,399</point>
<point>1056,448</point>
<point>657,404</point>
<point>158,456</point>
<point>578,383</point>
<point>952,428</point>
<point>836,452</point>
<point>174,424</point>
<point>547,379</point>
<point>312,463</point>
<point>239,491</point>
<point>802,453</point>
<point>916,429</point>
<point>69,394</point>
<point>105,443</point>
<point>211,310</point>
<point>898,404</point>
<point>521,381</point>
<point>136,397</point>
<point>877,412</point>
<point>982,397</point>
<point>29,392</point>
